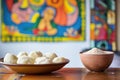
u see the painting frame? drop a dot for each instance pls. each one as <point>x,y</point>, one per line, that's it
<point>103,24</point>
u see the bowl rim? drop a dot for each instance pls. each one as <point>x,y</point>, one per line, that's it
<point>107,53</point>
<point>65,62</point>
<point>97,54</point>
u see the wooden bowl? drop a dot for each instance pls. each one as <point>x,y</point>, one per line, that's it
<point>96,62</point>
<point>36,68</point>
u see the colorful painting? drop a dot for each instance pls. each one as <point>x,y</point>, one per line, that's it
<point>43,20</point>
<point>103,29</point>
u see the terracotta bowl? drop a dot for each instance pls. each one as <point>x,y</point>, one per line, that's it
<point>96,62</point>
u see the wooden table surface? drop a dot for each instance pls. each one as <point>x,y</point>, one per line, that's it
<point>67,74</point>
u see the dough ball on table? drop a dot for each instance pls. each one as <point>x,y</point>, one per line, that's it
<point>59,60</point>
<point>10,59</point>
<point>25,60</point>
<point>42,60</point>
<point>51,56</point>
<point>35,54</point>
<point>22,54</point>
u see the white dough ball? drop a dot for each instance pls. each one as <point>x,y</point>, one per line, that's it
<point>22,54</point>
<point>25,60</point>
<point>35,54</point>
<point>59,60</point>
<point>42,60</point>
<point>50,55</point>
<point>10,59</point>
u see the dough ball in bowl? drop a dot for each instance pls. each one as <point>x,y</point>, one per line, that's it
<point>10,59</point>
<point>59,60</point>
<point>22,54</point>
<point>25,60</point>
<point>51,56</point>
<point>42,60</point>
<point>35,54</point>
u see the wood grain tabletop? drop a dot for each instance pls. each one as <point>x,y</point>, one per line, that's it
<point>67,74</point>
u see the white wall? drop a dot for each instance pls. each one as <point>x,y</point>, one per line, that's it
<point>118,24</point>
